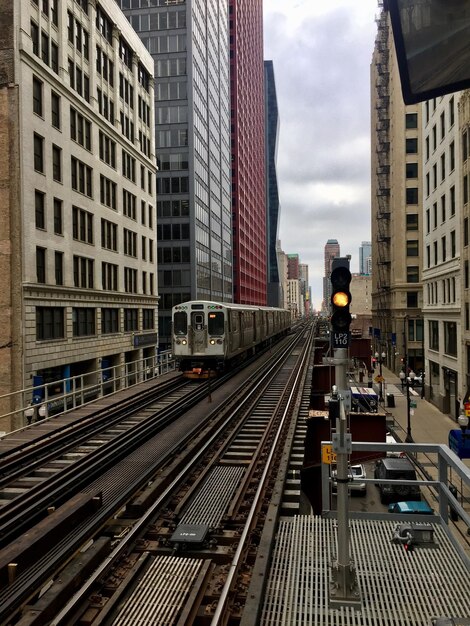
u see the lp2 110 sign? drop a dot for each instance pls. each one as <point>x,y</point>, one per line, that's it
<point>340,339</point>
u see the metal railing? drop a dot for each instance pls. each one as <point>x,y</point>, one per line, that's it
<point>452,504</point>
<point>52,398</point>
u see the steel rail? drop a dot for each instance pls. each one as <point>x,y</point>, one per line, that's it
<point>236,561</point>
<point>30,455</point>
<point>139,528</point>
<point>12,600</point>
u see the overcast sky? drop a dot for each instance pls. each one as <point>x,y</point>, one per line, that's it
<point>321,51</point>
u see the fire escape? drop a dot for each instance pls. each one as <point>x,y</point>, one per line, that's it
<point>382,176</point>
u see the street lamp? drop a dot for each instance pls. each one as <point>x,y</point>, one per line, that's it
<point>412,376</point>
<point>380,361</point>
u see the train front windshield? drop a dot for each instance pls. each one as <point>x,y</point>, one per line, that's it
<point>180,323</point>
<point>216,323</point>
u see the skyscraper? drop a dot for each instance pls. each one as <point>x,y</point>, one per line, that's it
<point>272,193</point>
<point>248,151</point>
<point>397,200</point>
<point>331,251</point>
<point>365,254</point>
<point>189,43</point>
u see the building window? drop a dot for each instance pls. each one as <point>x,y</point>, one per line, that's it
<point>107,150</point>
<point>55,109</point>
<point>59,268</point>
<point>412,145</point>
<point>412,274</point>
<point>434,335</point>
<point>412,299</point>
<point>83,272</point>
<point>82,176</point>
<point>450,338</point>
<point>109,321</point>
<point>57,163</point>
<point>130,280</point>
<point>411,120</point>
<point>443,167</point>
<point>37,96</point>
<point>412,221</point>
<point>41,265</point>
<point>80,129</point>
<point>83,322</point>
<point>452,156</point>
<point>35,37</point>
<point>465,232</point>
<point>411,170</point>
<point>412,195</point>
<point>148,319</point>
<point>465,189</point>
<point>108,192</point>
<point>131,319</point>
<point>130,243</point>
<point>49,323</point>
<point>452,201</point>
<point>444,248</point>
<point>39,209</point>
<point>54,57</point>
<point>453,249</point>
<point>412,247</point>
<point>38,153</point>
<point>58,221</point>
<point>82,225</point>
<point>109,235</point>
<point>109,277</point>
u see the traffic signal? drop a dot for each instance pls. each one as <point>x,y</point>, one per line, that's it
<point>340,296</point>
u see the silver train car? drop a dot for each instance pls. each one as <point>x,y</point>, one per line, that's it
<point>210,337</point>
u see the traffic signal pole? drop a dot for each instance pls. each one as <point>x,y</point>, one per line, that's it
<point>344,590</point>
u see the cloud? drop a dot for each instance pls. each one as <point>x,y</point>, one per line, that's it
<point>321,54</point>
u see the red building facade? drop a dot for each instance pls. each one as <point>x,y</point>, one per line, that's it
<point>248,152</point>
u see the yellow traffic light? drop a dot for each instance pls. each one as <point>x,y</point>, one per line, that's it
<point>340,298</point>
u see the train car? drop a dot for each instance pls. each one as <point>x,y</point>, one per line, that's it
<point>210,337</point>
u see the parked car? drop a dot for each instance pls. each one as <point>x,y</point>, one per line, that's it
<point>357,473</point>
<point>421,507</point>
<point>393,453</point>
<point>396,469</point>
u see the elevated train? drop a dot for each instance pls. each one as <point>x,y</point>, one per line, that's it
<point>209,337</point>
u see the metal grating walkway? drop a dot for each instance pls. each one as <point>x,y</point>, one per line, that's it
<point>211,502</point>
<point>397,588</point>
<point>161,594</point>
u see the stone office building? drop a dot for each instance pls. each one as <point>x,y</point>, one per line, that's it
<point>77,207</point>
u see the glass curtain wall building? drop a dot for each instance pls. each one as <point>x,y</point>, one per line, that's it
<point>189,42</point>
<point>272,191</point>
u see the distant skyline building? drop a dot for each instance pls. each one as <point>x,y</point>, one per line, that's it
<point>365,257</point>
<point>332,250</point>
<point>248,150</point>
<point>190,48</point>
<point>293,270</point>
<point>272,192</point>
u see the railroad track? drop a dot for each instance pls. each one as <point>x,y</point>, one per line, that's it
<point>89,509</point>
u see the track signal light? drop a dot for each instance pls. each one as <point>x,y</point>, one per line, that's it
<point>340,298</point>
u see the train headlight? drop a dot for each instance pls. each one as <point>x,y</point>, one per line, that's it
<point>212,342</point>
<point>178,342</point>
<point>184,342</point>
